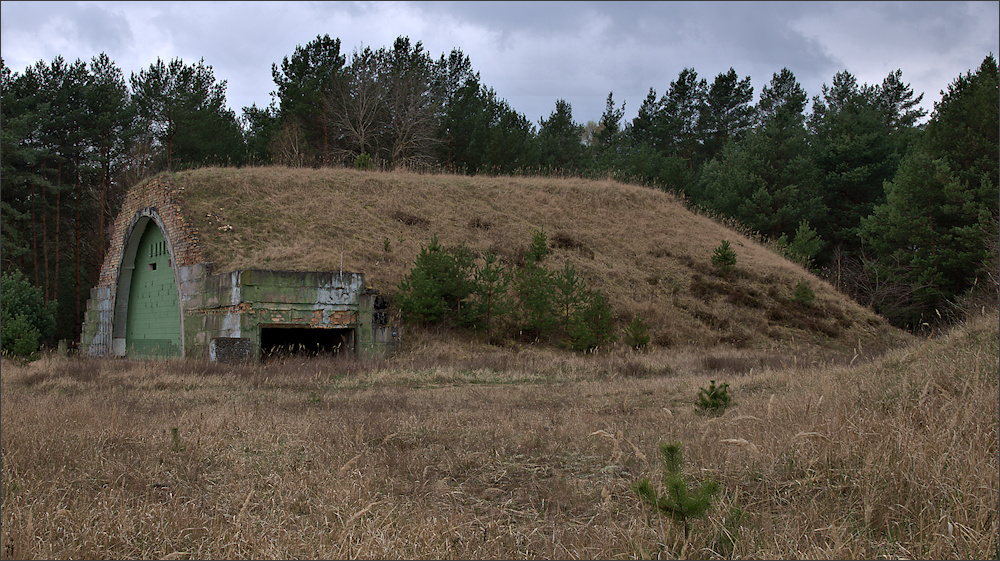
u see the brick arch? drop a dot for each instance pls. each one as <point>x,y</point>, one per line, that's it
<point>157,200</point>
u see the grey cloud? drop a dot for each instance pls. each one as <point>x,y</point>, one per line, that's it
<point>99,29</point>
<point>91,28</point>
<point>533,53</point>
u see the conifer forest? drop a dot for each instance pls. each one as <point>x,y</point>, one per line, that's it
<point>895,207</point>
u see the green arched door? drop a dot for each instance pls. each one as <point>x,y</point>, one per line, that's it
<point>153,323</point>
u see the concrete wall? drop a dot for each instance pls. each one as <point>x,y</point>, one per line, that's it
<point>238,305</point>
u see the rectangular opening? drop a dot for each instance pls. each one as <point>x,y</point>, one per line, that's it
<point>230,349</point>
<point>151,266</point>
<point>278,341</point>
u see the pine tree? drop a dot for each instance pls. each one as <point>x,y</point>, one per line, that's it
<point>768,181</point>
<point>939,220</point>
<point>593,324</point>
<point>490,302</point>
<point>728,113</point>
<point>26,318</point>
<point>724,258</point>
<point>437,286</point>
<point>305,84</point>
<point>677,501</point>
<point>680,120</point>
<point>715,399</point>
<point>637,333</point>
<point>559,140</point>
<point>536,294</point>
<point>854,156</point>
<point>568,294</point>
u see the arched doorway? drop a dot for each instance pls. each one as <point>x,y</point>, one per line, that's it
<point>152,320</point>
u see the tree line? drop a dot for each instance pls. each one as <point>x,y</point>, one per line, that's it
<point>901,215</point>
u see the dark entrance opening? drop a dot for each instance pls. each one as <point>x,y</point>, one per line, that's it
<point>303,341</point>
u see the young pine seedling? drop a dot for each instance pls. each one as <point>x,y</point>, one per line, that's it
<point>678,500</point>
<point>724,258</point>
<point>714,400</point>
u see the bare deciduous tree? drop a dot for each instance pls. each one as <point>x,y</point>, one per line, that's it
<point>290,148</point>
<point>356,107</point>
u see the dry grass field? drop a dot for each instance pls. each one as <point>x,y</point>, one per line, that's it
<point>453,449</point>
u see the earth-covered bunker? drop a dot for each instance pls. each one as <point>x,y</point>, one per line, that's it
<point>158,297</point>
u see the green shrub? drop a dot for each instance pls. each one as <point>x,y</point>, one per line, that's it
<point>637,333</point>
<point>724,258</point>
<point>434,289</point>
<point>20,338</point>
<point>678,501</point>
<point>445,286</point>
<point>558,305</point>
<point>539,247</point>
<point>804,293</point>
<point>592,326</point>
<point>364,161</point>
<point>490,300</point>
<point>713,400</point>
<point>25,317</point>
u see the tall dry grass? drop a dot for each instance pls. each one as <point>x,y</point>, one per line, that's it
<point>640,246</point>
<point>450,450</point>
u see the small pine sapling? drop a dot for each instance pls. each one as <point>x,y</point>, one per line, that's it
<point>724,258</point>
<point>437,284</point>
<point>713,400</point>
<point>637,333</point>
<point>363,161</point>
<point>804,293</point>
<point>592,326</point>
<point>568,293</point>
<point>678,501</point>
<point>804,247</point>
<point>539,247</point>
<point>535,291</point>
<point>490,301</point>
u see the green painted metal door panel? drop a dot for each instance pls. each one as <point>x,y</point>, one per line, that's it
<point>153,325</point>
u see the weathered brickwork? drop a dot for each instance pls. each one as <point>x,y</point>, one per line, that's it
<point>159,199</point>
<point>162,196</point>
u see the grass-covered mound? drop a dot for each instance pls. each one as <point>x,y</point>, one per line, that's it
<point>641,247</point>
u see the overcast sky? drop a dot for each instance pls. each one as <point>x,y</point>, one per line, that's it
<point>530,53</point>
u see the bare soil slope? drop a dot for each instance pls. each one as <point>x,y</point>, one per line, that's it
<point>642,247</point>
